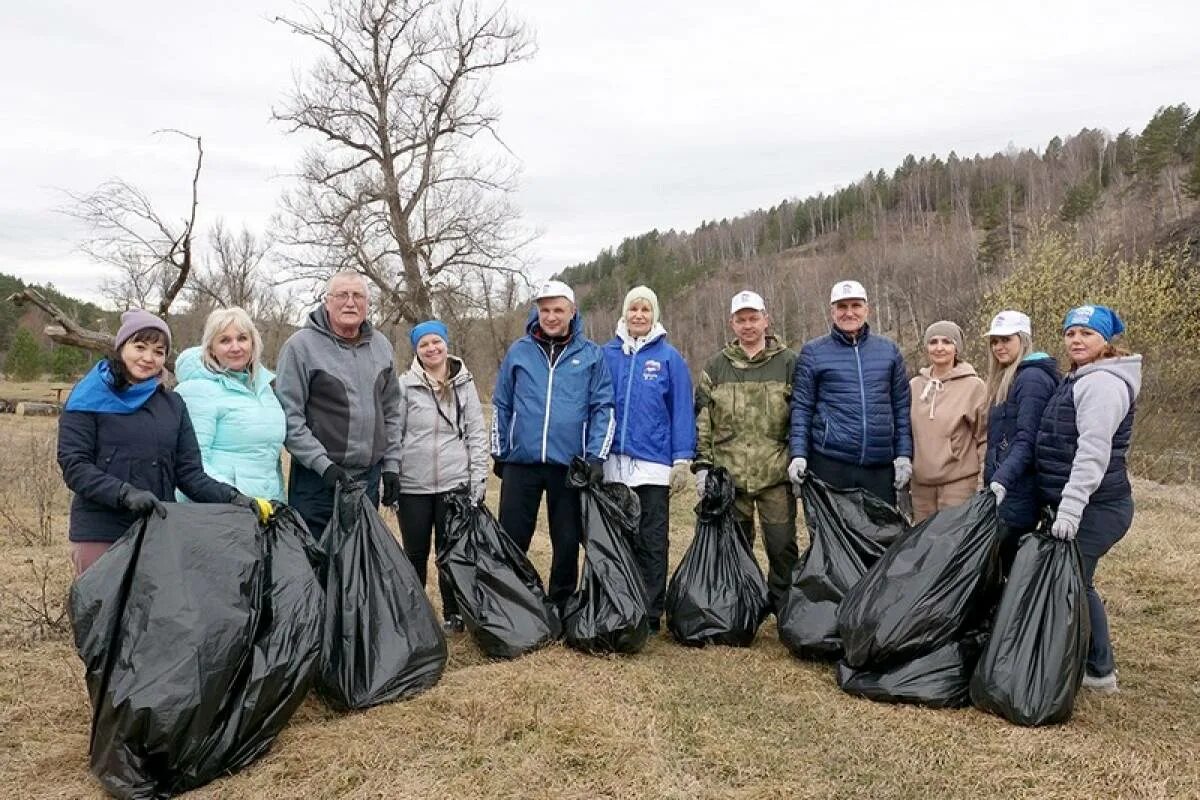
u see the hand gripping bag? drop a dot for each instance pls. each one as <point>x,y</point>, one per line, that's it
<point>200,635</point>
<point>499,593</point>
<point>717,594</point>
<point>607,613</point>
<point>848,529</point>
<point>1033,665</point>
<point>381,639</point>
<point>937,581</point>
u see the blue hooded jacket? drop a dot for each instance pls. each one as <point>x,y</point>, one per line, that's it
<point>656,420</point>
<point>543,414</point>
<point>850,400</point>
<point>1012,436</point>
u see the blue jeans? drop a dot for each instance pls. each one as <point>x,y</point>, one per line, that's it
<point>309,495</point>
<point>1102,526</point>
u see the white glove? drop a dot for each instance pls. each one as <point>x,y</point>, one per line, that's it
<point>998,490</point>
<point>1064,528</point>
<point>701,482</point>
<point>477,492</point>
<point>798,471</point>
<point>903,469</point>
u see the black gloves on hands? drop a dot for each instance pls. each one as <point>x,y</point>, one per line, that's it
<point>498,469</point>
<point>141,502</point>
<point>595,472</point>
<point>391,489</point>
<point>333,475</point>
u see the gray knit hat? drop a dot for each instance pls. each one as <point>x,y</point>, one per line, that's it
<point>949,330</point>
<point>139,319</point>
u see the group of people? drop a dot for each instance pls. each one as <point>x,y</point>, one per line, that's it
<point>842,409</point>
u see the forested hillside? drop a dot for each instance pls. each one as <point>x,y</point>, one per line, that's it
<point>1091,217</point>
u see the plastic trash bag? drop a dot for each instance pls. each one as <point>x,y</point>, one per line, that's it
<point>717,594</point>
<point>935,582</point>
<point>381,640</point>
<point>200,634</point>
<point>939,679</point>
<point>1033,665</point>
<point>607,613</point>
<point>499,593</point>
<point>848,529</point>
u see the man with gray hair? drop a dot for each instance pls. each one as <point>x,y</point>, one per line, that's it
<point>336,382</point>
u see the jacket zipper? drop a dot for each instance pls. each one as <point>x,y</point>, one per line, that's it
<point>628,388</point>
<point>551,364</point>
<point>862,394</point>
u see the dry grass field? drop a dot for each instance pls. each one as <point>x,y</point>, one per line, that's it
<point>669,723</point>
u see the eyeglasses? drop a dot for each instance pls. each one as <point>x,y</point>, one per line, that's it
<point>340,297</point>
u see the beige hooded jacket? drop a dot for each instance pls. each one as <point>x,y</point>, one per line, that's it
<point>949,424</point>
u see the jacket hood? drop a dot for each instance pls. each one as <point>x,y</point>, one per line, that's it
<point>459,374</point>
<point>1041,361</point>
<point>962,369</point>
<point>630,345</point>
<point>576,326</point>
<point>1127,368</point>
<point>190,366</point>
<point>737,356</point>
<point>318,319</point>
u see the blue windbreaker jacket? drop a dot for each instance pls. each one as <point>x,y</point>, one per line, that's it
<point>656,420</point>
<point>548,415</point>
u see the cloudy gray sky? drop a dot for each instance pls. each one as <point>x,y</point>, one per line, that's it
<point>633,115</point>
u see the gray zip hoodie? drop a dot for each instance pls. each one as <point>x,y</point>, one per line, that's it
<point>341,398</point>
<point>1102,399</point>
<point>444,441</point>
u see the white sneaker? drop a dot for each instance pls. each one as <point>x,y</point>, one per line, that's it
<point>1104,684</point>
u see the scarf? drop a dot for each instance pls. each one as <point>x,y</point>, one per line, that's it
<point>95,393</point>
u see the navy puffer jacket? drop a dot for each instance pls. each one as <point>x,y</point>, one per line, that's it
<point>850,400</point>
<point>1012,437</point>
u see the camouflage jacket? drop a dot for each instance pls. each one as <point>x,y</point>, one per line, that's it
<point>742,414</point>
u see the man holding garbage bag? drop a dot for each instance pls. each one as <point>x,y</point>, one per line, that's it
<point>742,425</point>
<point>553,401</point>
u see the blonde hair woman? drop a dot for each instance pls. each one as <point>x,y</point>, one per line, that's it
<point>239,423</point>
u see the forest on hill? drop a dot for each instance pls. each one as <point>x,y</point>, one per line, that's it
<point>1090,218</point>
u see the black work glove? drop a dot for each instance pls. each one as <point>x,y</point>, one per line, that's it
<point>141,502</point>
<point>498,468</point>
<point>391,489</point>
<point>595,472</point>
<point>334,475</point>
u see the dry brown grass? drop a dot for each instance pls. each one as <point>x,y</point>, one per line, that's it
<point>680,723</point>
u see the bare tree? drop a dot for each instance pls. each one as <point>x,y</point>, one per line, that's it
<point>410,183</point>
<point>231,273</point>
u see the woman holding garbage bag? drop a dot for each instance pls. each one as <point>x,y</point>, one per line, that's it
<point>656,428</point>
<point>125,443</point>
<point>949,424</point>
<point>1081,450</point>
<point>444,446</point>
<point>1020,382</point>
<point>239,423</point>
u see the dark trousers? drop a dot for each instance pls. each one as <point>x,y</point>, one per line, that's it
<point>420,516</point>
<point>520,497</point>
<point>309,495</point>
<point>840,475</point>
<point>776,508</point>
<point>651,545</point>
<point>1010,541</point>
<point>1102,526</point>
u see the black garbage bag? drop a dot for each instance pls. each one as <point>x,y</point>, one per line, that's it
<point>381,640</point>
<point>848,530</point>
<point>200,634</point>
<point>717,594</point>
<point>939,679</point>
<point>935,582</point>
<point>499,593</point>
<point>1033,665</point>
<point>607,613</point>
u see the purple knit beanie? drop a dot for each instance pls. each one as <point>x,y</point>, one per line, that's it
<point>138,319</point>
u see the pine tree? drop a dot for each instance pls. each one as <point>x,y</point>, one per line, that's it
<point>25,357</point>
<point>1191,183</point>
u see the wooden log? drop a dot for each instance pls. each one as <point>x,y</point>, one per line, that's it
<point>29,408</point>
<point>7,406</point>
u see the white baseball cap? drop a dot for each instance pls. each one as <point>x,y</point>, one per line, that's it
<point>1006,323</point>
<point>847,290</point>
<point>747,299</point>
<point>554,289</point>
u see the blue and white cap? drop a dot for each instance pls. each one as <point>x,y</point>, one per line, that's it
<point>1102,319</point>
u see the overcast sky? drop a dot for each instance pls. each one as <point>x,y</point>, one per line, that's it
<point>632,116</point>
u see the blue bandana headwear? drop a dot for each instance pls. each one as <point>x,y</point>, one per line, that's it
<point>95,393</point>
<point>427,327</point>
<point>1102,319</point>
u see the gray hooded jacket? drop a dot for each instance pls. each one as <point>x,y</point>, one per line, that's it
<point>341,398</point>
<point>444,441</point>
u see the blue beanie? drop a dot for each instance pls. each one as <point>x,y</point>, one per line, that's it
<point>427,327</point>
<point>1102,319</point>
